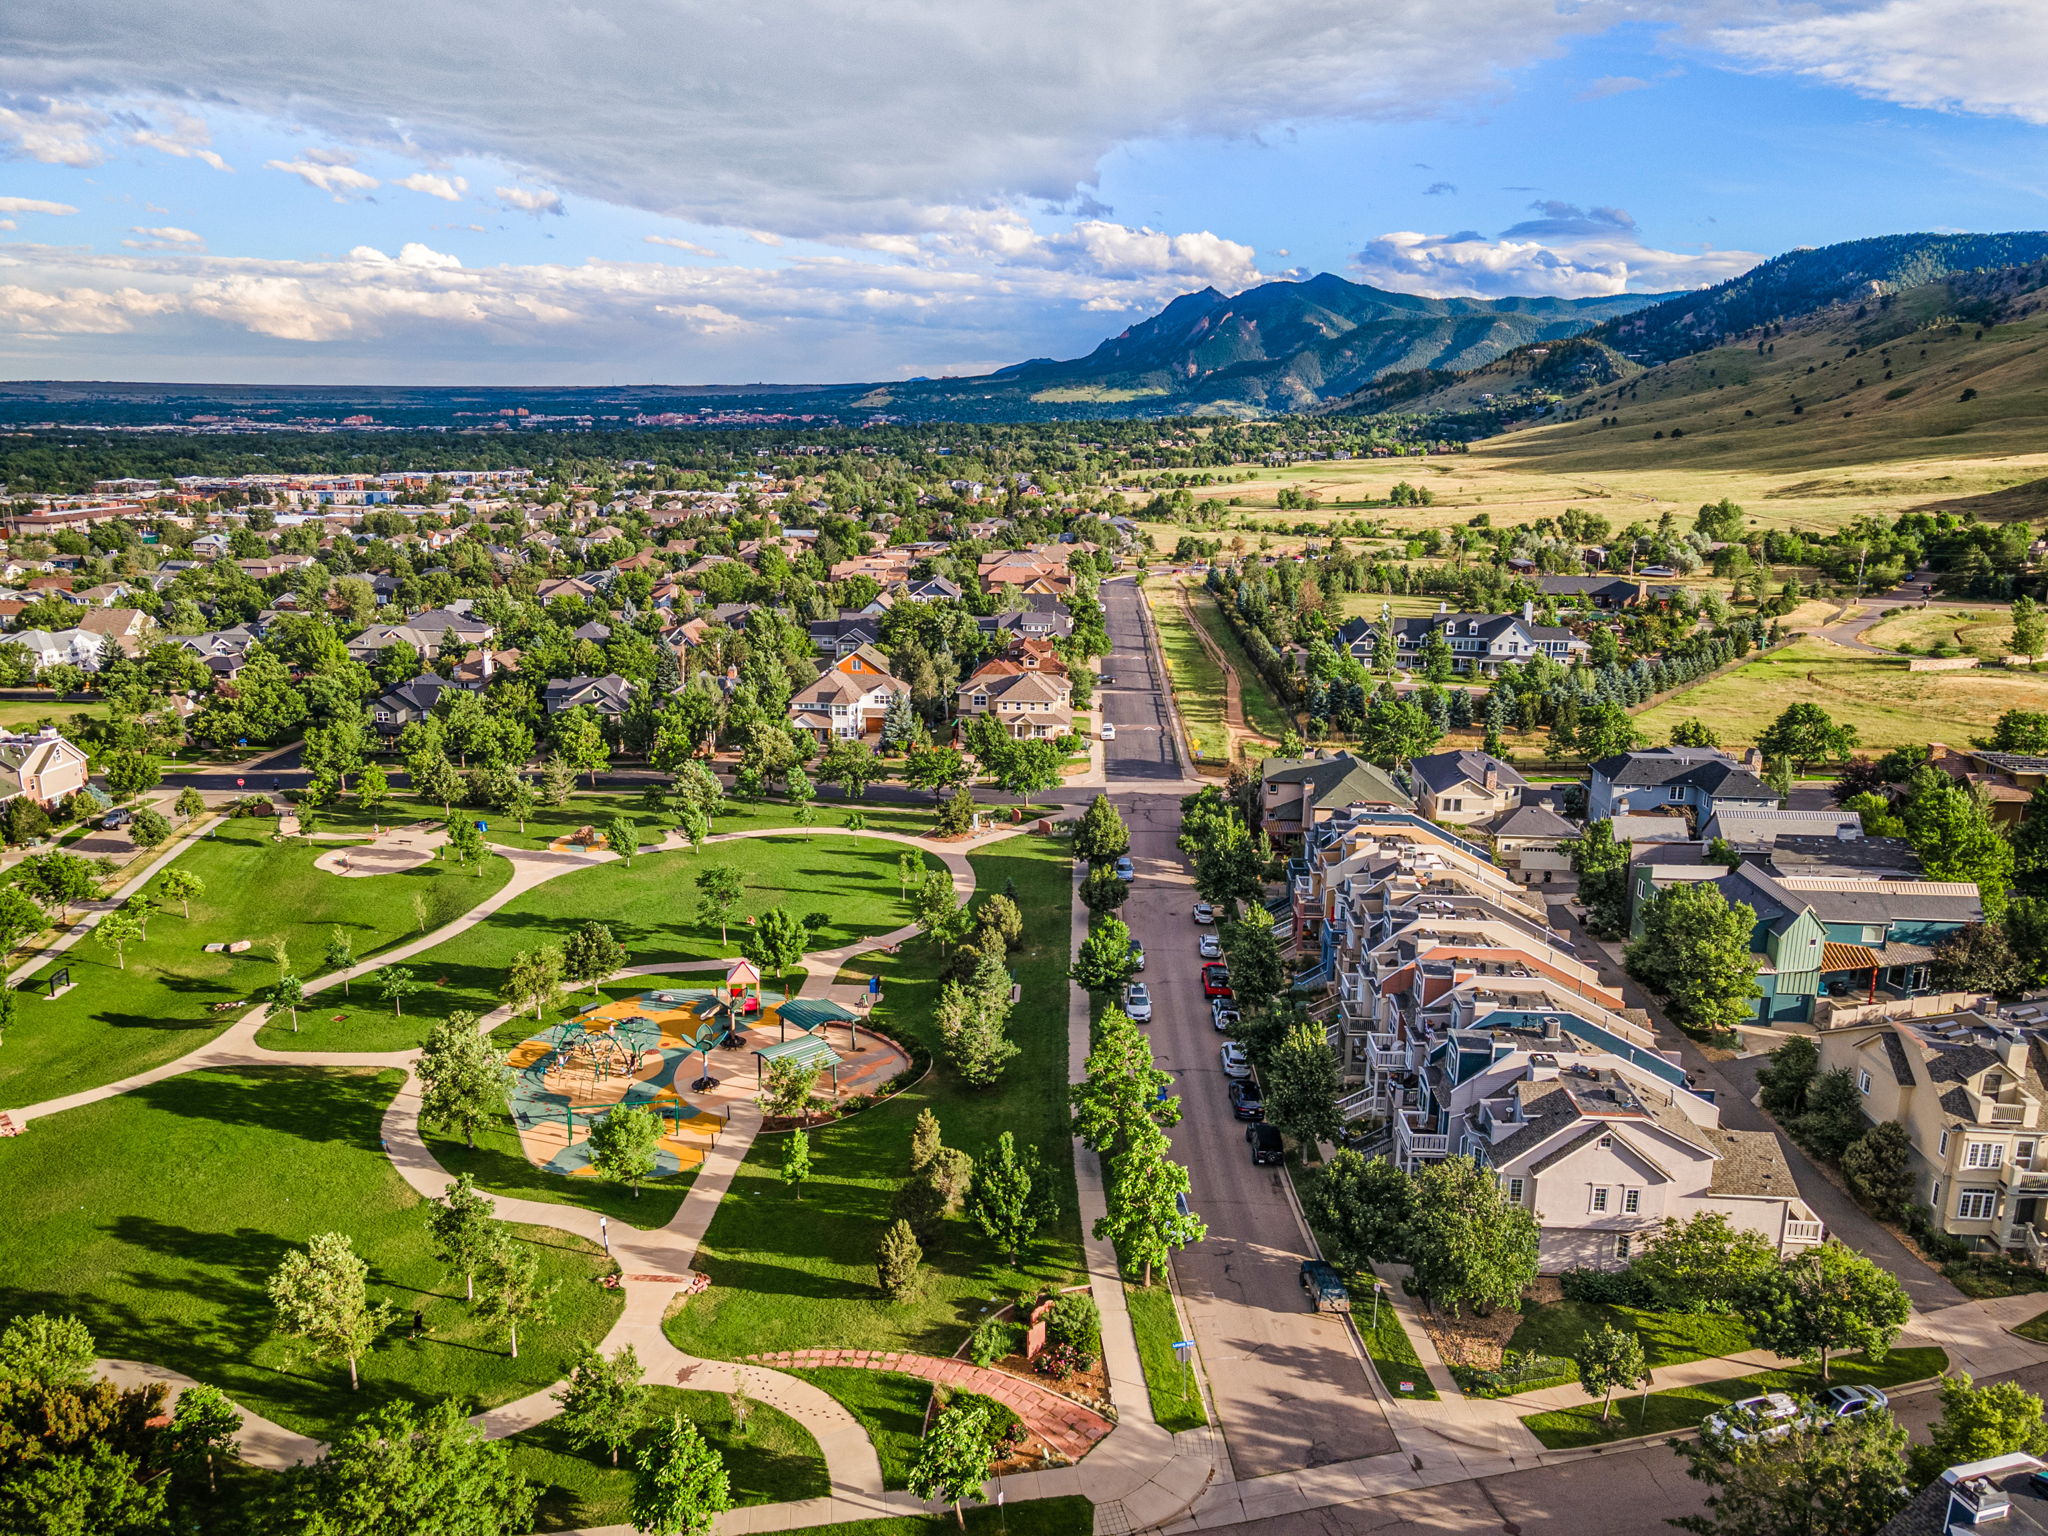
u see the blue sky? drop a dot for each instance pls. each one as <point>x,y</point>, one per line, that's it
<point>823,189</point>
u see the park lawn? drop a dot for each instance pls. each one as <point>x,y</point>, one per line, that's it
<point>1262,711</point>
<point>791,1275</point>
<point>25,715</point>
<point>1889,706</point>
<point>1668,1338</point>
<point>1068,1515</point>
<point>1176,1400</point>
<point>120,1021</point>
<point>890,1406</point>
<point>650,907</point>
<point>157,1216</point>
<point>1682,1408</point>
<point>1985,632</point>
<point>593,808</point>
<point>772,1461</point>
<point>1197,682</point>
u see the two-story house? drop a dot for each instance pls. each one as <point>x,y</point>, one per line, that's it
<point>1298,794</point>
<point>609,695</point>
<point>1463,787</point>
<point>1697,780</point>
<point>1031,703</point>
<point>848,700</point>
<point>406,703</point>
<point>1971,1095</point>
<point>41,766</point>
<point>1480,643</point>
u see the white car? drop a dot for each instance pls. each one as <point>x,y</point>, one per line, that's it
<point>1138,1003</point>
<point>1222,1014</point>
<point>1211,947</point>
<point>1235,1063</point>
<point>1108,732</point>
<point>1772,1416</point>
<point>1204,913</point>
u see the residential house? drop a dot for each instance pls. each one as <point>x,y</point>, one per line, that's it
<point>1603,592</point>
<point>407,703</point>
<point>1697,780</point>
<point>1970,1093</point>
<point>1031,704</point>
<point>1030,624</point>
<point>843,704</point>
<point>1463,787</point>
<point>847,633</point>
<point>1748,829</point>
<point>1480,643</point>
<point>1297,794</point>
<point>1528,841</point>
<point>2007,1494</point>
<point>609,695</point>
<point>130,626</point>
<point>42,766</point>
<point>62,647</point>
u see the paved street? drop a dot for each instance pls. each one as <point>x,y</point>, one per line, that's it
<point>1290,1387</point>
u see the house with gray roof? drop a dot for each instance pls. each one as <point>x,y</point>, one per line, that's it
<point>1461,787</point>
<point>1480,643</point>
<point>1697,780</point>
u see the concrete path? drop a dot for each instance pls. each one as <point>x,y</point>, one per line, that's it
<point>259,1442</point>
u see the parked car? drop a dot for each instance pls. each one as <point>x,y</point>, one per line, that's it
<point>1216,981</point>
<point>1108,731</point>
<point>1246,1102</point>
<point>1852,1402</point>
<point>1137,955</point>
<point>1769,1417</point>
<point>120,816</point>
<point>1235,1062</point>
<point>1222,1015</point>
<point>1138,1003</point>
<point>1326,1289</point>
<point>1211,947</point>
<point>1204,913</point>
<point>1268,1146</point>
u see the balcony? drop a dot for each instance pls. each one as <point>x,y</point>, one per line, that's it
<point>1414,1142</point>
<point>1804,1234</point>
<point>1386,1054</point>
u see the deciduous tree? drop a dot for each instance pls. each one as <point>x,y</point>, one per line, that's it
<point>1470,1247</point>
<point>604,1401</point>
<point>624,1143</point>
<point>465,1233</point>
<point>1826,1299</point>
<point>680,1488</point>
<point>1695,948</point>
<point>320,1294</point>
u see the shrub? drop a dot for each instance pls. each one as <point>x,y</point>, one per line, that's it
<point>1059,1361</point>
<point>1074,1321</point>
<point>993,1338</point>
<point>1606,1287</point>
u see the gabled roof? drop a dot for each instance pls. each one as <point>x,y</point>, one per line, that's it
<point>1531,821</point>
<point>1446,770</point>
<point>1337,781</point>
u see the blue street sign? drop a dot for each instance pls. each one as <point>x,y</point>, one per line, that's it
<point>1183,1343</point>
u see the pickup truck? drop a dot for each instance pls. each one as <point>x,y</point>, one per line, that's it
<point>1325,1287</point>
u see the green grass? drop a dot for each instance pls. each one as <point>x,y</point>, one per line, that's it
<point>121,1021</point>
<point>774,1461</point>
<point>1682,1408</point>
<point>156,1217</point>
<point>24,715</point>
<point>2035,1328</point>
<point>1889,706</point>
<point>789,1275</point>
<point>1391,1350</point>
<point>1176,1400</point>
<point>649,907</point>
<point>1069,1515</point>
<point>596,807</point>
<point>1668,1338</point>
<point>1262,711</point>
<point>1198,688</point>
<point>890,1406</point>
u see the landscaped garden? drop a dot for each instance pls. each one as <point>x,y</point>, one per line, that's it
<point>770,1459</point>
<point>157,1216</point>
<point>791,1274</point>
<point>122,1019</point>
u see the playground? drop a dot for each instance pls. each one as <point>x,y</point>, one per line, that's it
<point>687,1054</point>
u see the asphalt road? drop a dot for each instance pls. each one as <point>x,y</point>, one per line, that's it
<point>1289,1384</point>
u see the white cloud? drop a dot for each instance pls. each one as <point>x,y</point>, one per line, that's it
<point>836,117</point>
<point>330,175</point>
<point>684,245</point>
<point>448,188</point>
<point>184,136</point>
<point>54,132</point>
<point>1985,56</point>
<point>531,200</point>
<point>77,311</point>
<point>33,205</point>
<point>1602,257</point>
<point>165,237</point>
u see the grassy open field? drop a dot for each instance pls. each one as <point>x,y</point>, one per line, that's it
<point>156,1217</point>
<point>1889,706</point>
<point>1196,680</point>
<point>27,714</point>
<point>121,1020</point>
<point>1262,711</point>
<point>787,1274</point>
<point>1985,632</point>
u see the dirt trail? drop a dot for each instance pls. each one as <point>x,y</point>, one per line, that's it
<point>1234,723</point>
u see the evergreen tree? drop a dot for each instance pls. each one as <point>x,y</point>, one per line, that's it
<point>1011,1196</point>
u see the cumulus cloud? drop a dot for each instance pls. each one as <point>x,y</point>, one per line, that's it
<point>448,188</point>
<point>33,205</point>
<point>1984,56</point>
<point>331,174</point>
<point>681,244</point>
<point>54,132</point>
<point>531,200</point>
<point>839,117</point>
<point>1569,252</point>
<point>991,286</point>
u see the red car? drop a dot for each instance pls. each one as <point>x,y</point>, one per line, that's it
<point>1216,981</point>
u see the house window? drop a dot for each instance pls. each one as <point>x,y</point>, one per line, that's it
<point>1606,1141</point>
<point>1976,1204</point>
<point>1514,1191</point>
<point>1675,792</point>
<point>1622,1245</point>
<point>2023,1153</point>
<point>1454,805</point>
<point>1943,1149</point>
<point>1631,1201</point>
<point>1600,1198</point>
<point>1984,1154</point>
<point>1863,1080</point>
<point>1873,933</point>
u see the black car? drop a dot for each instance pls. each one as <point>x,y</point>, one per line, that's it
<point>1267,1144</point>
<point>1246,1102</point>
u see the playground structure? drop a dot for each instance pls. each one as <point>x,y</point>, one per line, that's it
<point>583,840</point>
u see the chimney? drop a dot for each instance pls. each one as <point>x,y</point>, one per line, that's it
<point>2012,1050</point>
<point>1492,776</point>
<point>1528,611</point>
<point>1753,760</point>
<point>486,668</point>
<point>1442,606</point>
